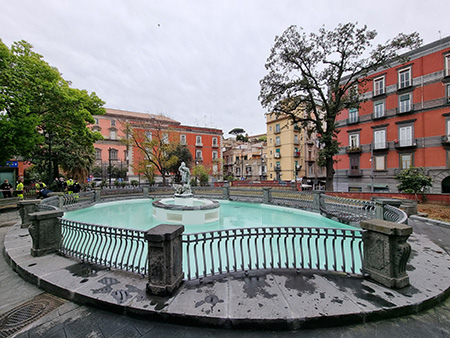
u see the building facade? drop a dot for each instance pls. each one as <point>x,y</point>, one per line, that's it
<point>403,121</point>
<point>245,161</point>
<point>291,153</point>
<point>203,143</point>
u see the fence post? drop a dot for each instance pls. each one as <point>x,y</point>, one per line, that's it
<point>386,252</point>
<point>317,199</point>
<point>379,209</point>
<point>226,192</point>
<point>145,191</point>
<point>165,259</point>
<point>45,230</point>
<point>267,195</point>
<point>27,207</point>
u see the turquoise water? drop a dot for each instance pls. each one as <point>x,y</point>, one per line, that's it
<point>138,215</point>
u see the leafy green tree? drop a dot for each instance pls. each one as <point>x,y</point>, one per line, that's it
<point>42,118</point>
<point>200,173</point>
<point>183,154</point>
<point>312,78</point>
<point>413,181</point>
<point>239,133</point>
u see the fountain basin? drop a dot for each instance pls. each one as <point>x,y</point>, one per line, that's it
<point>186,210</point>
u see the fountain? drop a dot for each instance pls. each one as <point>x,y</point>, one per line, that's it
<point>183,208</point>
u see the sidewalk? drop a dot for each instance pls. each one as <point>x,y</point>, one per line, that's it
<point>264,301</point>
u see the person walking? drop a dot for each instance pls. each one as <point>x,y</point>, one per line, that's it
<point>6,188</point>
<point>19,189</point>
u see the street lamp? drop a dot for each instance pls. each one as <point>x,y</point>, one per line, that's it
<point>49,136</point>
<point>109,159</point>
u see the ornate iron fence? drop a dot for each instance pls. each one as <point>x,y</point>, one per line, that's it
<point>393,214</point>
<point>346,209</point>
<point>117,248</point>
<point>234,250</point>
<point>246,195</point>
<point>296,199</point>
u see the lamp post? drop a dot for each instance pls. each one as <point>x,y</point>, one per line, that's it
<point>109,169</point>
<point>49,136</point>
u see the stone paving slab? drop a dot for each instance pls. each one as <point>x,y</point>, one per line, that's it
<point>272,300</point>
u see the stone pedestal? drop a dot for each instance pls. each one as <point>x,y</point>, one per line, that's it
<point>45,230</point>
<point>97,195</point>
<point>226,192</point>
<point>267,195</point>
<point>386,252</point>
<point>27,207</point>
<point>165,259</point>
<point>145,192</point>
<point>317,200</point>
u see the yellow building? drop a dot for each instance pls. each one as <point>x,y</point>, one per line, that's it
<point>286,149</point>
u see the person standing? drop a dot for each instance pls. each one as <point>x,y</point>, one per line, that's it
<point>19,189</point>
<point>6,189</point>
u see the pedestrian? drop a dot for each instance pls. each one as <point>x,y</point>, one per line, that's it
<point>76,188</point>
<point>6,188</point>
<point>70,186</point>
<point>62,185</point>
<point>19,189</point>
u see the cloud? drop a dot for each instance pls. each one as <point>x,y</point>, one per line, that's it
<point>197,61</point>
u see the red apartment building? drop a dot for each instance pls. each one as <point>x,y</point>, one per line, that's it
<point>403,121</point>
<point>203,143</point>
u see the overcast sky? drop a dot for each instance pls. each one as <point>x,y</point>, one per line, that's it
<point>196,61</point>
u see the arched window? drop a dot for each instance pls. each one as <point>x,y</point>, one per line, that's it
<point>446,185</point>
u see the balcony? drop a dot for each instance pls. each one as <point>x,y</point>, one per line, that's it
<point>405,145</point>
<point>214,145</point>
<point>296,154</point>
<point>198,159</point>
<point>353,150</point>
<point>278,168</point>
<point>277,155</point>
<point>354,173</point>
<point>311,160</point>
<point>198,144</point>
<point>296,142</point>
<point>353,120</point>
<point>445,140</point>
<point>380,146</point>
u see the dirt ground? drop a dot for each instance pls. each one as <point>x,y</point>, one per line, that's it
<point>439,212</point>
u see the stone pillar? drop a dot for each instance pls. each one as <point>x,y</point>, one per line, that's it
<point>165,259</point>
<point>386,252</point>
<point>97,196</point>
<point>267,195</point>
<point>45,231</point>
<point>317,199</point>
<point>379,209</point>
<point>226,192</point>
<point>145,191</point>
<point>27,207</point>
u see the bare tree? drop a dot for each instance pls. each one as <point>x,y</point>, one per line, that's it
<point>312,78</point>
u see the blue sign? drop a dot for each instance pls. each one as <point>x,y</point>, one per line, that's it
<point>11,164</point>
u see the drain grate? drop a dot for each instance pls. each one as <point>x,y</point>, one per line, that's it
<point>26,313</point>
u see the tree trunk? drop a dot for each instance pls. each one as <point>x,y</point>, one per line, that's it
<point>330,174</point>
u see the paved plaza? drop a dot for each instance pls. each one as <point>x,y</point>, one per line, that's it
<point>273,304</point>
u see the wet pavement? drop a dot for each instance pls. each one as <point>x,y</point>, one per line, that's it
<point>255,305</point>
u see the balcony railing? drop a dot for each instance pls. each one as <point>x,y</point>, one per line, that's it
<point>380,146</point>
<point>445,140</point>
<point>353,150</point>
<point>405,145</point>
<point>296,154</point>
<point>277,155</point>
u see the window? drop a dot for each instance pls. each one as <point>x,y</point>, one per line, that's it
<point>405,161</point>
<point>98,154</point>
<point>214,142</point>
<point>447,65</point>
<point>199,157</point>
<point>277,128</point>
<point>379,139</point>
<point>112,134</point>
<point>183,139</point>
<point>278,141</point>
<point>405,136</point>
<point>380,162</point>
<point>96,120</point>
<point>447,127</point>
<point>113,154</point>
<point>113,123</point>
<point>198,141</point>
<point>404,78</point>
<point>353,140</point>
<point>165,138</point>
<point>310,169</point>
<point>148,135</point>
<point>354,165</point>
<point>215,155</point>
<point>215,169</point>
<point>378,109</point>
<point>404,103</point>
<point>447,90</point>
<point>378,86</point>
<point>296,141</point>
<point>353,115</point>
